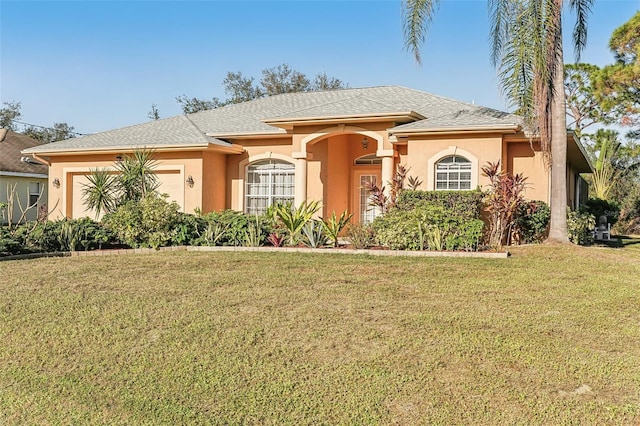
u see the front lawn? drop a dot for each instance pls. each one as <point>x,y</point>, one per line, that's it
<point>548,336</point>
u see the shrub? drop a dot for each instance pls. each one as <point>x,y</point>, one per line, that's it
<point>629,221</point>
<point>580,226</point>
<point>146,223</point>
<point>464,204</point>
<point>598,208</point>
<point>361,235</point>
<point>225,228</point>
<point>334,225</point>
<point>294,219</point>
<point>66,235</point>
<point>427,226</point>
<point>10,243</point>
<point>532,220</point>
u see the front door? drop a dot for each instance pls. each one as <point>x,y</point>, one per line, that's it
<point>361,199</point>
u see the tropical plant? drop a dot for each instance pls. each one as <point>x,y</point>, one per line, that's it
<point>136,178</point>
<point>293,219</point>
<point>313,234</point>
<point>612,162</point>
<point>253,234</point>
<point>528,53</point>
<point>378,196</point>
<point>334,225</point>
<point>100,193</point>
<point>275,239</point>
<point>505,194</point>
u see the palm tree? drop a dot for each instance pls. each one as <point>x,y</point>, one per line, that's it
<point>136,177</point>
<point>527,50</point>
<point>99,193</point>
<point>612,163</point>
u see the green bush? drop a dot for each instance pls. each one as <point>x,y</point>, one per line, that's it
<point>463,204</point>
<point>532,220</point>
<point>428,226</point>
<point>10,243</point>
<point>145,223</point>
<point>225,228</point>
<point>580,227</point>
<point>598,207</point>
<point>65,235</point>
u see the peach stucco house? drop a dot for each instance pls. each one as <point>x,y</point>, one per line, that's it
<point>312,146</point>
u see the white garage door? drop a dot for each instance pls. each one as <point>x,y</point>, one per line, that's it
<point>171,184</point>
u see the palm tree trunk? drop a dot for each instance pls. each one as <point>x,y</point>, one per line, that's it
<point>558,226</point>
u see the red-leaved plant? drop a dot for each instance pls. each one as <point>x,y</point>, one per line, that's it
<point>506,192</point>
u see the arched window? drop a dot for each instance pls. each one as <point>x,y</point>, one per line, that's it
<point>368,160</point>
<point>453,173</point>
<point>268,182</point>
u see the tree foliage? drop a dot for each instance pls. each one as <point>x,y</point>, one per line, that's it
<point>618,85</point>
<point>276,80</point>
<point>8,114</point>
<point>59,132</point>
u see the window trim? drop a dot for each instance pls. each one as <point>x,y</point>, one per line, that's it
<point>451,151</point>
<point>291,170</point>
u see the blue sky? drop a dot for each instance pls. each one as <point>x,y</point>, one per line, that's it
<point>99,65</point>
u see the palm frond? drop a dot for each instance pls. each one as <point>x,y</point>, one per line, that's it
<point>416,17</point>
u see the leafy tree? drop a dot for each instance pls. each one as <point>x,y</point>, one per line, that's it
<point>618,84</point>
<point>275,81</point>
<point>528,53</point>
<point>584,106</point>
<point>59,132</point>
<point>9,114</point>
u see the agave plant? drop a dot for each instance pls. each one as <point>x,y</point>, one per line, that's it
<point>313,234</point>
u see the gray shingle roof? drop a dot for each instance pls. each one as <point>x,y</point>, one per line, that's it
<point>173,131</point>
<point>470,118</point>
<point>248,117</point>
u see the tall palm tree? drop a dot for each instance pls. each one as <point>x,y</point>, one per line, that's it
<point>527,50</point>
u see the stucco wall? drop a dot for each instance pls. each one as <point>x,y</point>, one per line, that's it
<point>176,166</point>
<point>527,159</point>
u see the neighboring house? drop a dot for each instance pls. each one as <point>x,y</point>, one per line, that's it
<point>312,146</point>
<point>23,180</point>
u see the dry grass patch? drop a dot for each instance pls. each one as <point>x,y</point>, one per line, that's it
<point>549,336</point>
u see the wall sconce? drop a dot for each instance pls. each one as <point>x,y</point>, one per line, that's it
<point>190,181</point>
<point>118,158</point>
<point>56,183</point>
<point>365,143</point>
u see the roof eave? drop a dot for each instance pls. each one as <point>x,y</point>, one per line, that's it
<point>121,149</point>
<point>289,123</point>
<point>513,128</point>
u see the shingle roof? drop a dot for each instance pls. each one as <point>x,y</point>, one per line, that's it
<point>10,156</point>
<point>173,131</point>
<point>478,117</point>
<point>248,117</point>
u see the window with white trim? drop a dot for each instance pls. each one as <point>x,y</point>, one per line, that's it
<point>268,182</point>
<point>368,211</point>
<point>453,173</point>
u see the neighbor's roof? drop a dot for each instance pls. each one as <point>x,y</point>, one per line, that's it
<point>11,144</point>
<point>259,116</point>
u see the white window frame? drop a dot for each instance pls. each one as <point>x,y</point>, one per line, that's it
<point>454,170</point>
<point>36,194</point>
<point>268,190</point>
<point>452,150</point>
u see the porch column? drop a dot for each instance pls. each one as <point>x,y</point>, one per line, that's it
<point>387,168</point>
<point>301,178</point>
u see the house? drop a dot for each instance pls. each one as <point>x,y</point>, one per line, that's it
<point>23,180</point>
<point>312,146</point>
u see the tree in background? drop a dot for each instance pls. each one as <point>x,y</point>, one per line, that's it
<point>274,81</point>
<point>9,114</point>
<point>618,85</point>
<point>613,163</point>
<point>154,113</point>
<point>527,50</point>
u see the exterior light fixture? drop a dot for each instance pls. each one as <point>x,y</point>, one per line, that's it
<point>118,158</point>
<point>190,181</point>
<point>56,183</point>
<point>365,143</point>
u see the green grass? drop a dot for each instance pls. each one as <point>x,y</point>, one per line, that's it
<point>289,338</point>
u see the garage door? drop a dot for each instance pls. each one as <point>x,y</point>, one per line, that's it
<point>171,184</point>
